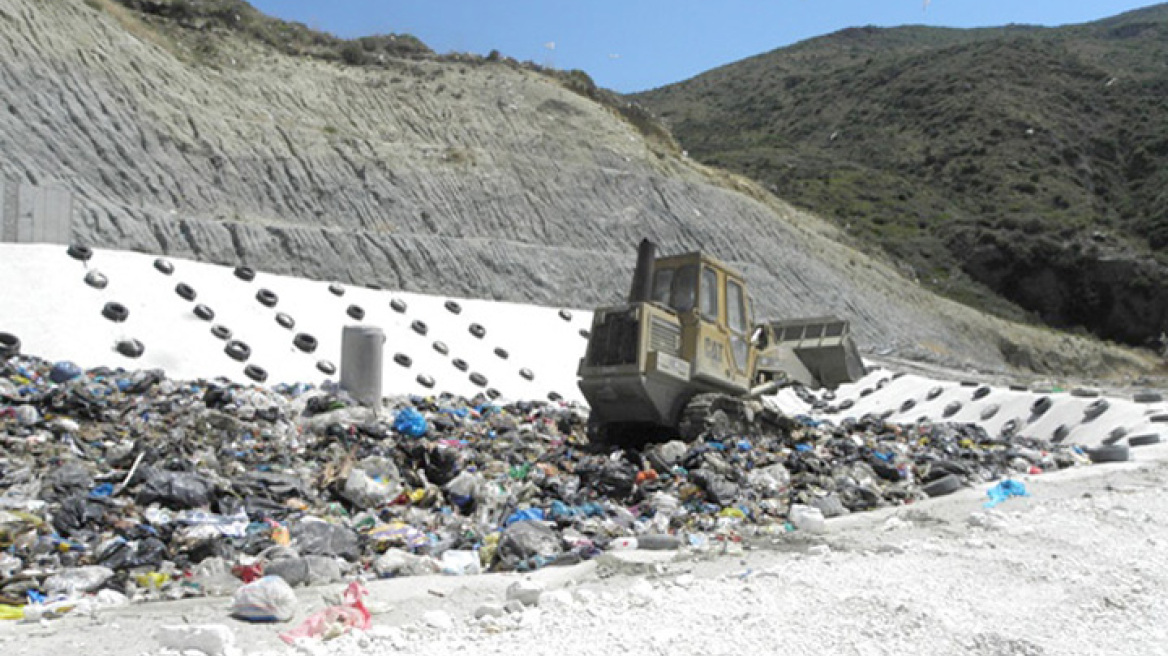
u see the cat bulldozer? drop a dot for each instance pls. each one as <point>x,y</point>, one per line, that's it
<point>682,356</point>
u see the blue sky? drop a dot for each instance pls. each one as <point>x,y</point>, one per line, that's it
<point>634,45</point>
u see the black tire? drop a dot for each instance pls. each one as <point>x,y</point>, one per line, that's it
<point>327,368</point>
<point>220,331</point>
<point>80,253</point>
<point>305,342</point>
<point>1018,388</point>
<point>255,372</point>
<point>1085,392</point>
<point>442,348</point>
<point>478,379</point>
<point>1110,453</point>
<point>526,374</point>
<point>969,383</point>
<point>453,307</point>
<point>1116,434</point>
<point>953,408</point>
<point>185,291</point>
<point>9,345</point>
<point>1147,397</point>
<point>847,404</point>
<point>493,393</point>
<point>981,392</point>
<point>1159,418</point>
<point>245,273</point>
<point>419,327</point>
<point>897,374</point>
<point>336,289</point>
<point>403,360</point>
<point>267,298</point>
<point>1041,405</point>
<point>398,305</point>
<point>1096,408</point>
<point>477,330</point>
<point>1144,440</point>
<point>1010,428</point>
<point>205,313</point>
<point>115,312</point>
<point>355,312</point>
<point>131,348</point>
<point>866,391</point>
<point>1060,433</point>
<point>502,353</point>
<point>555,397</point>
<point>908,404</point>
<point>237,350</point>
<point>884,415</point>
<point>990,411</point>
<point>374,286</point>
<point>425,381</point>
<point>163,266</point>
<point>947,484</point>
<point>882,383</point>
<point>934,393</point>
<point>285,320</point>
<point>460,364</point>
<point>96,279</point>
<point>565,315</point>
<point>585,333</point>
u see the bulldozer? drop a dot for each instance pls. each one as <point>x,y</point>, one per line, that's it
<point>683,355</point>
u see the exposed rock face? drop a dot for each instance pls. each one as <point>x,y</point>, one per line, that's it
<point>472,179</point>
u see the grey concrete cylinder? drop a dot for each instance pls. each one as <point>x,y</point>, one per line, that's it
<point>361,355</point>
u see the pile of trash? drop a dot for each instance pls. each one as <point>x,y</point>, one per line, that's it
<point>120,486</point>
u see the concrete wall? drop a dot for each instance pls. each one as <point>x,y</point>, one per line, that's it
<point>33,214</point>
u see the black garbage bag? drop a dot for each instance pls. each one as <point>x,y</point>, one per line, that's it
<point>617,479</point>
<point>67,480</point>
<point>527,539</point>
<point>175,490</point>
<point>76,514</point>
<point>123,554</point>
<point>325,539</point>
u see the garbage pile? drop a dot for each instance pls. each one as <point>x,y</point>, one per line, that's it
<point>118,485</point>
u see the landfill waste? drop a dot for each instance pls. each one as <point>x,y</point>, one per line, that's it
<point>127,483</point>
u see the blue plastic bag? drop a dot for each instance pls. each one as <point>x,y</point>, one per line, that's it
<point>64,371</point>
<point>1004,490</point>
<point>410,422</point>
<point>525,515</point>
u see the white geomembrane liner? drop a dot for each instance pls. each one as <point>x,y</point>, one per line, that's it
<point>47,304</point>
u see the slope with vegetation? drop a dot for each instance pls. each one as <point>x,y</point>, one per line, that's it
<point>1019,169</point>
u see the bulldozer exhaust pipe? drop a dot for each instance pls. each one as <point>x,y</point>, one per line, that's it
<point>768,388</point>
<point>642,289</point>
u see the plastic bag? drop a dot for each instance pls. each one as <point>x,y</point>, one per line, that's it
<point>1004,490</point>
<point>523,540</point>
<point>269,599</point>
<point>461,563</point>
<point>410,422</point>
<point>175,490</point>
<point>309,570</point>
<point>78,580</point>
<point>335,620</point>
<point>396,562</point>
<point>214,578</point>
<point>318,538</point>
<point>373,484</point>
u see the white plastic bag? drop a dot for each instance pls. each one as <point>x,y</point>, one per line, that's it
<point>269,599</point>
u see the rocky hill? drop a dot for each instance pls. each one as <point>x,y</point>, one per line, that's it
<point>1019,169</point>
<point>203,130</point>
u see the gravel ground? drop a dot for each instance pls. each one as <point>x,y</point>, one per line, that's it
<point>1076,568</point>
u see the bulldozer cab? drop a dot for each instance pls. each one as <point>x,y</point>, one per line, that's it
<point>713,309</point>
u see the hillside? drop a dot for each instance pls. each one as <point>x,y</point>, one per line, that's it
<point>229,138</point>
<point>1018,169</point>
